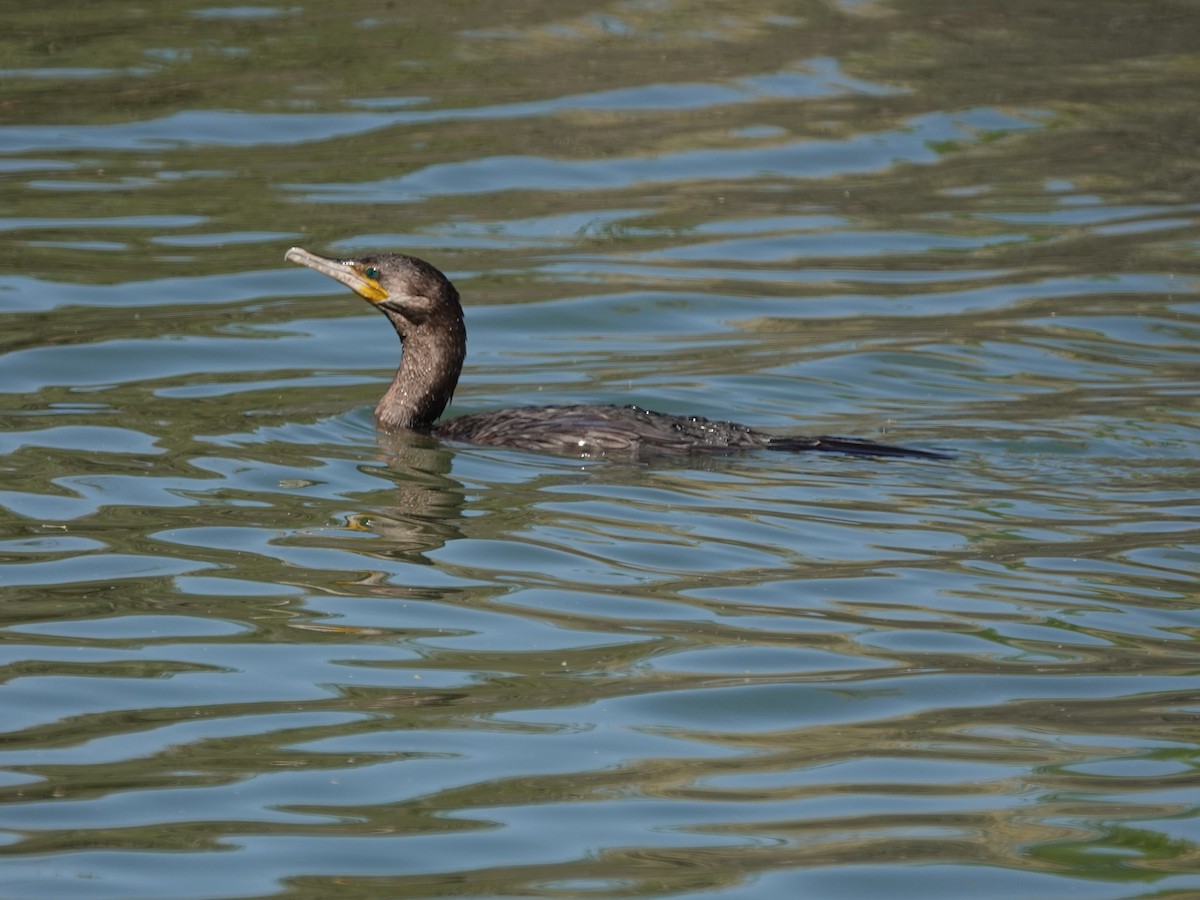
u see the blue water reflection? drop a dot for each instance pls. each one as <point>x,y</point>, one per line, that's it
<point>253,648</point>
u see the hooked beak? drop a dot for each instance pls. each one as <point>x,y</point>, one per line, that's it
<point>349,272</point>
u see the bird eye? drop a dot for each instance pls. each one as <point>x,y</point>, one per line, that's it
<point>372,273</point>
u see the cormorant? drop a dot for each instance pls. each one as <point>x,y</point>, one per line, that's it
<point>423,306</point>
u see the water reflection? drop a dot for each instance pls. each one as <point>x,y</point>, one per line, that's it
<point>250,648</point>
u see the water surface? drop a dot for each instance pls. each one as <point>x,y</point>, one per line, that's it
<point>251,648</point>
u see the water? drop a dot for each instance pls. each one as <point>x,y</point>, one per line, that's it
<point>253,649</point>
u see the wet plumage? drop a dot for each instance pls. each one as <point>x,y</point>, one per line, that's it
<point>424,308</point>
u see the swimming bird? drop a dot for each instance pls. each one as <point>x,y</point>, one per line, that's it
<point>424,308</point>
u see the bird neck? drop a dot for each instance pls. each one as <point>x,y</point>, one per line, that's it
<point>430,362</point>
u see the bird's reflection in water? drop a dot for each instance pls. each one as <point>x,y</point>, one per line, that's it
<point>425,511</point>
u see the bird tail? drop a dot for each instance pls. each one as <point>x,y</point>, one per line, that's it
<point>850,446</point>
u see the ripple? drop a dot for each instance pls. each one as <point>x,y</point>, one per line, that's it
<point>239,626</point>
